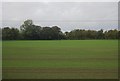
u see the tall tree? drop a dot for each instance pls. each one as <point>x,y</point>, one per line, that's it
<point>30,31</point>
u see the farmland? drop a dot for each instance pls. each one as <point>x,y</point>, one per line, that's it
<point>60,59</point>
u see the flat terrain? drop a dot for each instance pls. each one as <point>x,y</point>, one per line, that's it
<point>60,59</point>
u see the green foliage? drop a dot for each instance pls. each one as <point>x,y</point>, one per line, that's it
<point>0,34</point>
<point>10,33</point>
<point>111,34</point>
<point>92,34</point>
<point>29,31</point>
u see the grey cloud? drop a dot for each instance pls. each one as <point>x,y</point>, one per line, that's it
<point>67,15</point>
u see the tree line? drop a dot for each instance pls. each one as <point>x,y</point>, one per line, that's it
<point>29,31</point>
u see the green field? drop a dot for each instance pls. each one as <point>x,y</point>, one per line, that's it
<point>60,59</point>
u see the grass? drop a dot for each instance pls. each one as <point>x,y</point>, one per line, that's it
<point>60,59</point>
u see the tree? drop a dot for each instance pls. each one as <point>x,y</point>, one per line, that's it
<point>10,33</point>
<point>47,33</point>
<point>26,25</point>
<point>0,34</point>
<point>30,31</point>
<point>56,32</point>
<point>111,34</point>
<point>92,34</point>
<point>100,34</point>
<point>118,34</point>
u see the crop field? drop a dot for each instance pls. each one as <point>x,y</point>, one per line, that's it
<point>60,59</point>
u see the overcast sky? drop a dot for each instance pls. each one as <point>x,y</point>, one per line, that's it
<point>66,15</point>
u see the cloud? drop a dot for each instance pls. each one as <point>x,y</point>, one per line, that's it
<point>67,15</point>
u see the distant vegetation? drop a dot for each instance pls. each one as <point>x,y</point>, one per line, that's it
<point>29,31</point>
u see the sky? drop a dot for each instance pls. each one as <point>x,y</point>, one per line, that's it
<point>66,15</point>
